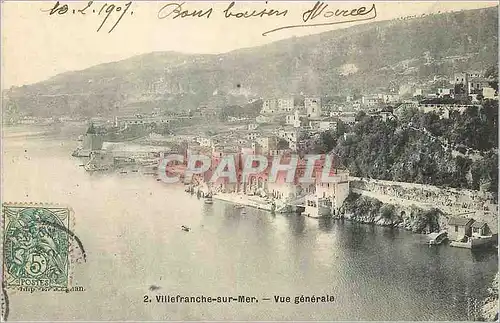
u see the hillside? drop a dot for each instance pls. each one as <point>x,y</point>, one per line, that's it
<point>459,151</point>
<point>363,58</point>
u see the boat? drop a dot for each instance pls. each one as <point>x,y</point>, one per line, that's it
<point>475,242</point>
<point>208,198</point>
<point>184,228</point>
<point>437,238</point>
<point>96,168</point>
<point>80,152</point>
<point>238,206</point>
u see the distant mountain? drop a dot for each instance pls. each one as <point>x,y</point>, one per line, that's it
<point>366,58</point>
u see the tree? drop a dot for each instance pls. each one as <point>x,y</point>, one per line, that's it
<point>387,211</point>
<point>283,144</point>
<point>393,151</point>
<point>342,128</point>
<point>360,115</point>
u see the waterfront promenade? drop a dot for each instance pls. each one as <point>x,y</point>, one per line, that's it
<point>251,201</point>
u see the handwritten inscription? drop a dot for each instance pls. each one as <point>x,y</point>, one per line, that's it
<point>106,10</point>
<point>230,12</point>
<point>176,10</point>
<point>320,14</point>
<point>320,11</point>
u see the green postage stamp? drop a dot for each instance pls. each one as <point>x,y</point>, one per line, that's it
<point>36,246</point>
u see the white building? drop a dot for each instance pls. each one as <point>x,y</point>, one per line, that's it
<point>139,120</point>
<point>294,119</point>
<point>285,104</point>
<point>262,119</point>
<point>269,106</point>
<point>405,89</point>
<point>390,98</point>
<point>204,142</point>
<point>476,85</point>
<point>313,107</point>
<point>445,91</point>
<point>336,191</point>
<point>489,93</point>
<point>322,125</point>
<point>348,119</point>
<point>267,143</point>
<point>443,109</point>
<point>460,78</point>
<point>252,136</point>
<point>418,92</point>
<point>327,125</point>
<point>474,74</point>
<point>371,100</point>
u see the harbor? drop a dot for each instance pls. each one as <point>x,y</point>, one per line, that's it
<point>315,200</point>
<point>222,241</point>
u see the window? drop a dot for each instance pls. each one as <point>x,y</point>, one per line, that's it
<point>456,228</point>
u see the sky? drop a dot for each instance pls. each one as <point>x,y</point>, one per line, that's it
<point>37,45</point>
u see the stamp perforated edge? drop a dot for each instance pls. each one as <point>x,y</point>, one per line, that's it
<point>71,225</point>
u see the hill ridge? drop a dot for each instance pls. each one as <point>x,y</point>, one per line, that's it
<point>374,56</point>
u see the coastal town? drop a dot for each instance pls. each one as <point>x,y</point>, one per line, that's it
<point>225,154</point>
<point>283,127</point>
<point>136,142</point>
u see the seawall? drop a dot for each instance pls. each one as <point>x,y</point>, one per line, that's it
<point>367,209</point>
<point>451,202</point>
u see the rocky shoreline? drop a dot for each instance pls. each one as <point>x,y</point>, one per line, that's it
<point>369,210</point>
<point>356,208</point>
<point>489,311</point>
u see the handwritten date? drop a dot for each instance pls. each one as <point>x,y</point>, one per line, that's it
<point>106,10</point>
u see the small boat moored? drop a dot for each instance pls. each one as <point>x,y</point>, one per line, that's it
<point>437,238</point>
<point>208,199</point>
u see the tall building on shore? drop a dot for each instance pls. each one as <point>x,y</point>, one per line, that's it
<point>313,107</point>
<point>91,141</point>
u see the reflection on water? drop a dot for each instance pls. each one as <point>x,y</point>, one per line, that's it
<point>130,226</point>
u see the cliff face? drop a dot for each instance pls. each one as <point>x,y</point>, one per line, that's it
<point>364,209</point>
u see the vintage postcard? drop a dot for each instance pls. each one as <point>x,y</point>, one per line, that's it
<point>249,161</point>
